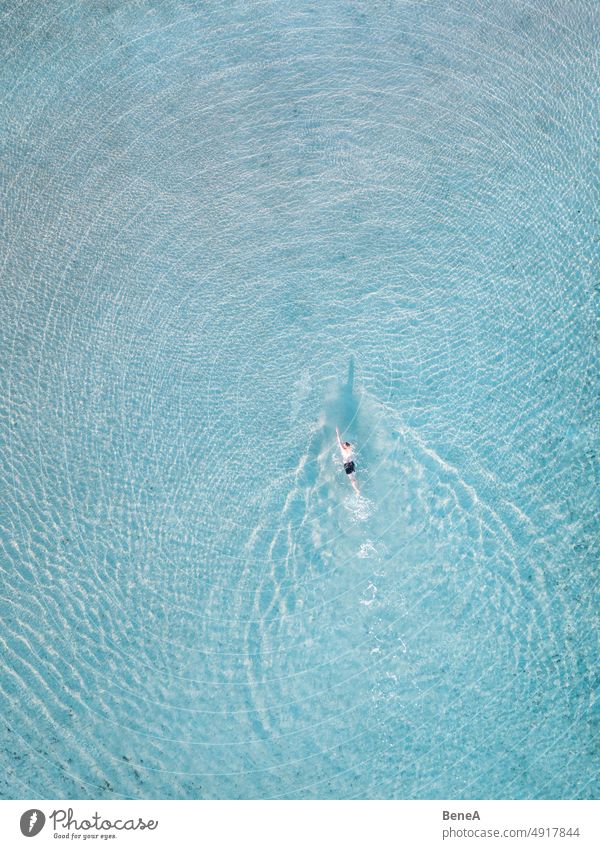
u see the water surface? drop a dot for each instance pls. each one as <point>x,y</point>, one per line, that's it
<point>226,229</point>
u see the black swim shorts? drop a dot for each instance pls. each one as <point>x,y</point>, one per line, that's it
<point>349,467</point>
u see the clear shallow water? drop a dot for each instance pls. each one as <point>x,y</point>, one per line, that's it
<point>224,231</point>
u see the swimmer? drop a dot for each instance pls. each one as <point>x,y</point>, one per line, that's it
<point>349,467</point>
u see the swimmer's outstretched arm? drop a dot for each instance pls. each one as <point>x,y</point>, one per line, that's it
<point>337,433</point>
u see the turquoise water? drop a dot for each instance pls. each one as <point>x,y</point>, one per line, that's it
<point>227,228</point>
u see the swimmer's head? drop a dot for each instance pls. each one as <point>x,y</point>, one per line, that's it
<point>347,445</point>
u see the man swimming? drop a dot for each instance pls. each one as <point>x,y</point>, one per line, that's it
<point>347,460</point>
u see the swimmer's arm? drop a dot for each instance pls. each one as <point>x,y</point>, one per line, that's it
<point>337,433</point>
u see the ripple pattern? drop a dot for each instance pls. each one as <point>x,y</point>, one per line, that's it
<point>227,228</point>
